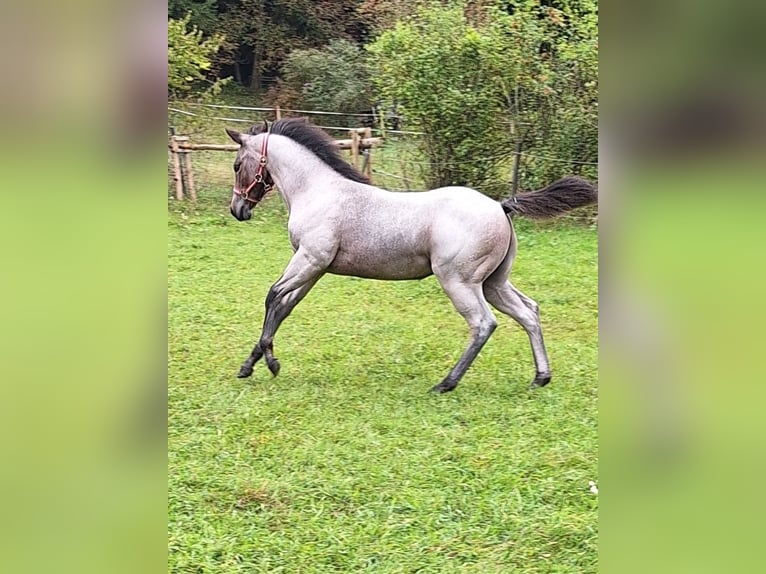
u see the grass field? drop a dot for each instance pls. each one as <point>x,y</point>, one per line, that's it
<point>344,463</point>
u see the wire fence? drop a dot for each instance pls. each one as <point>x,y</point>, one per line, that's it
<point>353,119</point>
<point>398,163</point>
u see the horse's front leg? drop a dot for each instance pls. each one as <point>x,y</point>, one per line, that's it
<point>277,310</point>
<point>275,314</point>
<point>301,275</point>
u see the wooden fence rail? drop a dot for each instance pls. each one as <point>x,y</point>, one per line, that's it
<point>364,143</point>
<point>361,143</point>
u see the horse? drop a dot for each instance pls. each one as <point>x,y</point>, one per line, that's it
<point>341,224</point>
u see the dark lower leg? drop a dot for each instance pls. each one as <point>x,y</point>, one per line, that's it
<point>509,300</point>
<point>247,367</point>
<point>278,307</point>
<point>259,351</point>
<point>541,379</point>
<point>466,359</point>
<point>264,346</point>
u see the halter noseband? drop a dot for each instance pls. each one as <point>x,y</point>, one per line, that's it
<point>258,177</point>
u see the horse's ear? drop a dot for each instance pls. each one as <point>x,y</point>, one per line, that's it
<point>265,126</point>
<point>236,136</point>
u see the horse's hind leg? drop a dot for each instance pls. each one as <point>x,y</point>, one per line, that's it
<point>507,299</point>
<point>470,303</point>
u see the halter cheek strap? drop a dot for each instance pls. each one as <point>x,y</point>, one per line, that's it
<point>258,175</point>
<point>246,194</point>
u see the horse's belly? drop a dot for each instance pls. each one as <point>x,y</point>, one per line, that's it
<point>381,265</point>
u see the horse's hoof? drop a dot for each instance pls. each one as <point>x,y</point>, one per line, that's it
<point>244,372</point>
<point>540,381</point>
<point>273,365</point>
<point>443,387</point>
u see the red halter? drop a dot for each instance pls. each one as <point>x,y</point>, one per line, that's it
<point>258,177</point>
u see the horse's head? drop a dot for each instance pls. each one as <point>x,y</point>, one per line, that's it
<point>251,178</point>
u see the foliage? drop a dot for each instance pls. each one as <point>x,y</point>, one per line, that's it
<point>260,34</point>
<point>381,15</point>
<point>477,87</point>
<point>433,67</point>
<point>557,88</point>
<point>479,77</point>
<point>344,463</point>
<point>189,58</point>
<point>202,13</point>
<point>575,69</point>
<point>334,77</point>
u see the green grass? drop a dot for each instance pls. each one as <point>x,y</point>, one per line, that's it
<point>344,463</point>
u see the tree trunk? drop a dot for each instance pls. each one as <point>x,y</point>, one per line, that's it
<point>516,162</point>
<point>237,72</point>
<point>255,78</point>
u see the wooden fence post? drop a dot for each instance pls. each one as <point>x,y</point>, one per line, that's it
<point>176,166</point>
<point>186,166</point>
<point>190,176</point>
<point>367,164</point>
<point>354,148</point>
<point>278,113</point>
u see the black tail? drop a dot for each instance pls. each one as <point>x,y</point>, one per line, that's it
<point>559,197</point>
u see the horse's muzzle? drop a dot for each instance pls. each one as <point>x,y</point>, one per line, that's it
<point>240,210</point>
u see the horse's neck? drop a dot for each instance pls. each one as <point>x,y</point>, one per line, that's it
<point>296,170</point>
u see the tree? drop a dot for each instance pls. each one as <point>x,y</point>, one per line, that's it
<point>546,60</point>
<point>521,73</point>
<point>202,13</point>
<point>189,58</point>
<point>435,67</point>
<point>334,77</point>
<point>260,33</point>
<point>381,15</point>
<point>575,83</point>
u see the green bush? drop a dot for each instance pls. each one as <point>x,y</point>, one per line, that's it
<point>477,88</point>
<point>434,67</point>
<point>334,78</point>
<point>189,59</point>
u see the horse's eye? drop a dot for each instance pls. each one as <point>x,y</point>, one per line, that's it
<point>237,165</point>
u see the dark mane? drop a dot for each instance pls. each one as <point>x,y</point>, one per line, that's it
<point>315,140</point>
